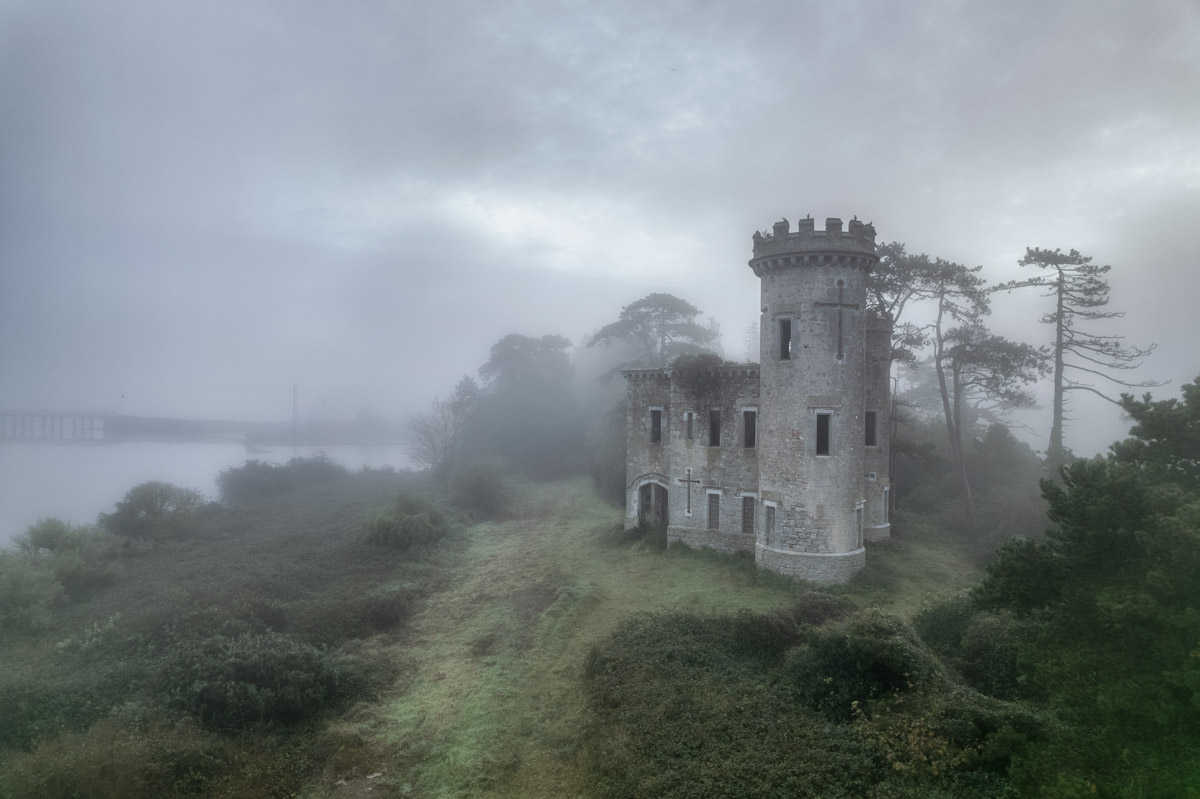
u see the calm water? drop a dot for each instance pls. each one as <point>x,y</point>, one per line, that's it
<point>75,483</point>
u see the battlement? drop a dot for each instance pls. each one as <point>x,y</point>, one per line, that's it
<point>805,245</point>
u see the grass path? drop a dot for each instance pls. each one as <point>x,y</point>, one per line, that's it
<point>494,706</point>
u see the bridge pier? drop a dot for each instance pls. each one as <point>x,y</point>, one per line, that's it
<point>41,426</point>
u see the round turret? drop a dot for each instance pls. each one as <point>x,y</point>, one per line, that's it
<point>814,379</point>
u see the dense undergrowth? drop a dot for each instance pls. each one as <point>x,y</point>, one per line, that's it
<point>817,700</point>
<point>188,648</point>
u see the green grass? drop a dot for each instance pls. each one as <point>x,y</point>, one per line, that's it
<point>486,634</point>
<point>919,561</point>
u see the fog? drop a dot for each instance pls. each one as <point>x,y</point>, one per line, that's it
<point>203,205</point>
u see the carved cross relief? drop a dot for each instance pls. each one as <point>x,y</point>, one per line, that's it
<point>688,481</point>
<point>842,307</point>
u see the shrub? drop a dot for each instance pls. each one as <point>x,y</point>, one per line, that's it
<point>231,682</point>
<point>870,656</point>
<point>155,511</point>
<point>409,521</point>
<point>816,608</point>
<point>482,488</point>
<point>257,480</point>
<point>941,622</point>
<point>689,706</point>
<point>82,558</point>
<point>988,659</point>
<point>28,592</point>
<point>49,534</point>
<point>131,755</point>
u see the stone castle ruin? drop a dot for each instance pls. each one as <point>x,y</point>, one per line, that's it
<point>787,458</point>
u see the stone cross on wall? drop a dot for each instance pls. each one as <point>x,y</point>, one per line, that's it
<point>842,307</point>
<point>688,481</point>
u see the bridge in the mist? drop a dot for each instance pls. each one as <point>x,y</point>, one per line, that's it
<point>91,427</point>
<point>51,426</point>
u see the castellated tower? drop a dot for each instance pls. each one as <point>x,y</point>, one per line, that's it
<point>823,455</point>
<point>786,458</point>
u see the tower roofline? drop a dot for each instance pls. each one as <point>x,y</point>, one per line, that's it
<point>854,246</point>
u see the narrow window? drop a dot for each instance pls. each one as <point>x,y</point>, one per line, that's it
<point>870,425</point>
<point>887,491</point>
<point>714,427</point>
<point>858,519</point>
<point>714,511</point>
<point>823,420</point>
<point>751,428</point>
<point>748,514</point>
<point>785,339</point>
<point>769,522</point>
<point>688,419</point>
<point>655,427</point>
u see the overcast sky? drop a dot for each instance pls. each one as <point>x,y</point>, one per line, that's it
<point>203,204</point>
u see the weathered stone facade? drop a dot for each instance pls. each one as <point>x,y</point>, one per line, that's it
<point>787,458</point>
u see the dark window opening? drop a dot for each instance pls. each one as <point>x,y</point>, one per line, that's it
<point>748,504</point>
<point>823,420</point>
<point>785,339</point>
<point>870,422</point>
<point>769,520</point>
<point>688,421</point>
<point>751,428</point>
<point>714,427</point>
<point>655,427</point>
<point>714,511</point>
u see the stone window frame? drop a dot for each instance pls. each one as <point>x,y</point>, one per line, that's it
<point>662,420</point>
<point>885,495</point>
<point>744,410</point>
<point>860,513</point>
<point>753,506</point>
<point>720,424</point>
<point>689,425</point>
<point>871,429</point>
<point>778,338</point>
<point>817,413</point>
<point>714,519</point>
<point>769,530</point>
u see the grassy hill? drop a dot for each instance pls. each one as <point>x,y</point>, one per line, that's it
<point>457,669</point>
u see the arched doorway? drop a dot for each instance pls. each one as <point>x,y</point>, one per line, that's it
<point>652,505</point>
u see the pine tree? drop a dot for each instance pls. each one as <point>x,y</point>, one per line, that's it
<point>1080,295</point>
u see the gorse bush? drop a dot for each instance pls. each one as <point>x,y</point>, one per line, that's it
<point>155,511</point>
<point>256,480</point>
<point>232,682</point>
<point>409,521</point>
<point>869,656</point>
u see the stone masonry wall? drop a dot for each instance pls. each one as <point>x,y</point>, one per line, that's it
<point>730,468</point>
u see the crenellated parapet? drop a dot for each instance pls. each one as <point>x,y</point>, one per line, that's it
<point>732,371</point>
<point>854,246</point>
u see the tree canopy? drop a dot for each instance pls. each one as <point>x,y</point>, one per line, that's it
<point>659,327</point>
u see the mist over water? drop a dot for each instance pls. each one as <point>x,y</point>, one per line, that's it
<point>75,483</point>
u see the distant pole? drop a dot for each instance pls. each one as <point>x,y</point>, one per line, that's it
<point>295,413</point>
